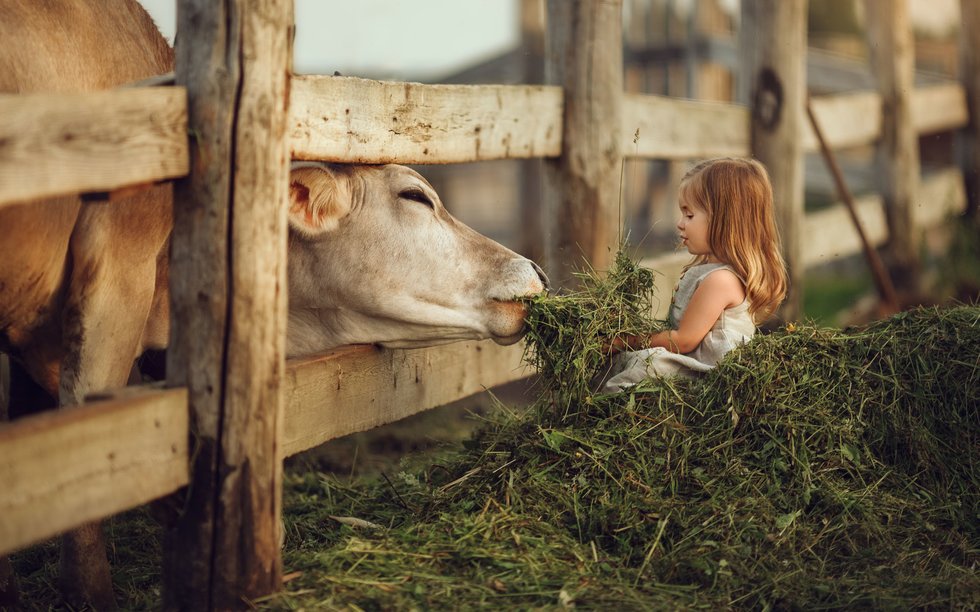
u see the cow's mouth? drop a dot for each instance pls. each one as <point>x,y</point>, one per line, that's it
<point>508,324</point>
<point>508,339</point>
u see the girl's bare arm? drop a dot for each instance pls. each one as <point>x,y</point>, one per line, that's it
<point>719,290</point>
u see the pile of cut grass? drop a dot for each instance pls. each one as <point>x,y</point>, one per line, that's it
<point>813,468</point>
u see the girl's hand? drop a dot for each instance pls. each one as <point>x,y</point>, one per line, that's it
<point>618,344</point>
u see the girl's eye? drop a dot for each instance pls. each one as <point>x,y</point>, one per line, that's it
<point>416,196</point>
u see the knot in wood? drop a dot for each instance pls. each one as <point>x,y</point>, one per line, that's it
<point>767,107</point>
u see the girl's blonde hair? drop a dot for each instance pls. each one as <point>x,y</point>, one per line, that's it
<point>736,195</point>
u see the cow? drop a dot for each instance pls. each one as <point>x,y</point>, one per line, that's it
<point>373,254</point>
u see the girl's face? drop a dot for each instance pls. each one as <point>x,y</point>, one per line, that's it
<point>693,229</point>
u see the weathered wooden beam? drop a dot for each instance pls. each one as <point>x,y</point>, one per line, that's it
<point>96,141</point>
<point>773,53</point>
<point>830,235</point>
<point>207,64</point>
<point>582,195</point>
<point>531,230</point>
<point>673,128</point>
<point>892,51</point>
<point>970,78</point>
<point>228,299</point>
<point>248,556</point>
<point>854,119</point>
<point>848,120</point>
<point>938,108</point>
<point>354,120</point>
<point>64,468</point>
<point>669,128</point>
<point>356,388</point>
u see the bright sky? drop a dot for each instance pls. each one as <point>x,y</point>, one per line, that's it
<point>389,39</point>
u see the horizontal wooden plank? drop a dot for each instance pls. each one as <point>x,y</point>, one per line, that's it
<point>942,194</point>
<point>830,233</point>
<point>846,120</point>
<point>939,108</point>
<point>356,388</point>
<point>56,144</point>
<point>854,119</point>
<point>658,127</point>
<point>64,468</point>
<point>347,119</point>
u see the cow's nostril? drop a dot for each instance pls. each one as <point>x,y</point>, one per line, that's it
<point>542,276</point>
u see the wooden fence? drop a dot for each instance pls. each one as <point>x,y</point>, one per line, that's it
<point>246,407</point>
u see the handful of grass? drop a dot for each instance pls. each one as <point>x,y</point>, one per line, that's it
<point>567,333</point>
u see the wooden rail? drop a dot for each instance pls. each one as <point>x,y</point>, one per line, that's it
<point>669,128</point>
<point>55,144</point>
<point>68,467</point>
<point>356,388</point>
<point>107,140</point>
<point>354,120</point>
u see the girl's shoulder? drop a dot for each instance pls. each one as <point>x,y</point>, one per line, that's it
<point>724,282</point>
<point>697,274</point>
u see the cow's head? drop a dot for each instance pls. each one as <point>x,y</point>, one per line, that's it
<point>375,257</point>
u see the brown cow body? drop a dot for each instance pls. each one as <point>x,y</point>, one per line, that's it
<point>373,254</point>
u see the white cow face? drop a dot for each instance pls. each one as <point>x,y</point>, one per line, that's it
<point>374,257</point>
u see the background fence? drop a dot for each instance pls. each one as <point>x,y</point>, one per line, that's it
<point>64,468</point>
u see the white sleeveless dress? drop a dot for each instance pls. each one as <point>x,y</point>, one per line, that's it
<point>734,327</point>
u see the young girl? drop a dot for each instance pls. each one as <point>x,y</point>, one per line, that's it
<point>736,280</point>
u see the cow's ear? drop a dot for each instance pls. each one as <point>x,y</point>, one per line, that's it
<point>318,199</point>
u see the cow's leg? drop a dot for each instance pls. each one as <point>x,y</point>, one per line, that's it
<point>9,595</point>
<point>9,591</point>
<point>102,340</point>
<point>4,387</point>
<point>109,298</point>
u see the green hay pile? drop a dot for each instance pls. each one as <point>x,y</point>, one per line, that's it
<point>813,468</point>
<point>566,333</point>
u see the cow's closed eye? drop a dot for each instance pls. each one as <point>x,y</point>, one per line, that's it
<point>416,196</point>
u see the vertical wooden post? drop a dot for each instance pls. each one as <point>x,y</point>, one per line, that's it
<point>585,57</point>
<point>892,54</point>
<point>970,75</point>
<point>209,68</point>
<point>772,47</point>
<point>228,297</point>
<point>531,170</point>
